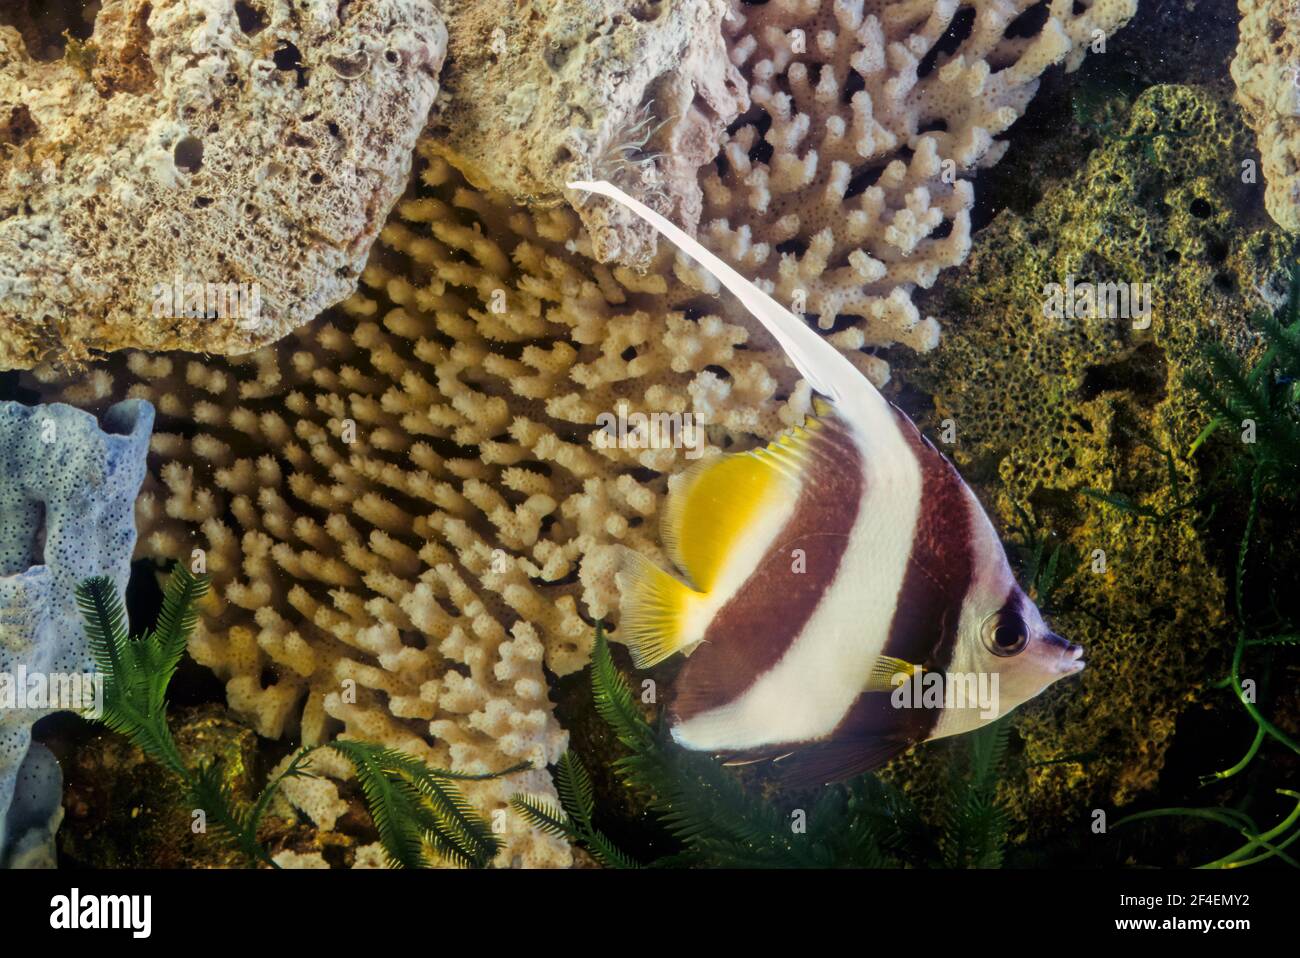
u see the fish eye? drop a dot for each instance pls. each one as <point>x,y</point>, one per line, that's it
<point>1004,633</point>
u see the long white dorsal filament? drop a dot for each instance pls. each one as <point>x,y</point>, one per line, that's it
<point>826,370</point>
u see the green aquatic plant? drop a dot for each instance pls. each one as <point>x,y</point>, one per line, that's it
<point>719,822</point>
<point>1265,844</point>
<point>1044,563</point>
<point>1265,400</point>
<point>572,819</point>
<point>418,811</point>
<point>975,825</point>
<point>136,674</point>
<point>1181,497</point>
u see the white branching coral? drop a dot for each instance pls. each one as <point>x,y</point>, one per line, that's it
<point>1266,70</point>
<point>845,190</point>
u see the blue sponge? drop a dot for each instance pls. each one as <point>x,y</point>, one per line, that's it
<point>68,484</point>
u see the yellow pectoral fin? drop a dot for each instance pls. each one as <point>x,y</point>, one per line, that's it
<point>714,502</point>
<point>884,673</point>
<point>652,610</point>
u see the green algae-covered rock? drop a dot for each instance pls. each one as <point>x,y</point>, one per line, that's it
<point>123,810</point>
<point>1044,406</point>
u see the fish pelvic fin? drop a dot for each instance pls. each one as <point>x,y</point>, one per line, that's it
<point>824,763</point>
<point>653,609</point>
<point>884,670</point>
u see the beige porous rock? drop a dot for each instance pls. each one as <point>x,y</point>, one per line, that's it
<point>542,92</point>
<point>1266,70</point>
<point>203,174</point>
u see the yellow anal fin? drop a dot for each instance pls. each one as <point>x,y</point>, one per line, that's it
<point>883,672</point>
<point>715,502</point>
<point>652,610</point>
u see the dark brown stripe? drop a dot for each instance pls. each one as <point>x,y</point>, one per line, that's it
<point>941,566</point>
<point>924,627</point>
<point>754,629</point>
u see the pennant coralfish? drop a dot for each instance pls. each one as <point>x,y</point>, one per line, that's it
<point>827,573</point>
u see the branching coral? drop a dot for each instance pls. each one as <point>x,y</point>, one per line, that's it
<point>401,507</point>
<point>844,191</point>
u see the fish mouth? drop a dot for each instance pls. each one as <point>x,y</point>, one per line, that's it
<point>1072,659</point>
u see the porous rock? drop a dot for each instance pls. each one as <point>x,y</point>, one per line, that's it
<point>1266,70</point>
<point>548,91</point>
<point>243,155</point>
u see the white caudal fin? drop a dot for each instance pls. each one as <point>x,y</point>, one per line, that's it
<point>826,370</point>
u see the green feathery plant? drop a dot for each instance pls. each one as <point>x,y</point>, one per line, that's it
<point>418,811</point>
<point>1265,401</point>
<point>975,828</point>
<point>1044,564</point>
<point>1181,498</point>
<point>572,819</point>
<point>865,823</point>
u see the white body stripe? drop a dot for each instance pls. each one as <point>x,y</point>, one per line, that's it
<point>991,583</point>
<point>807,693</point>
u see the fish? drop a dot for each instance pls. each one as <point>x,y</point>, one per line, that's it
<point>839,595</point>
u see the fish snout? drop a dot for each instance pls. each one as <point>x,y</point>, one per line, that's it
<point>1071,659</point>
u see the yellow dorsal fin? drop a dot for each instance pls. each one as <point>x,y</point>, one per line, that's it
<point>715,501</point>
